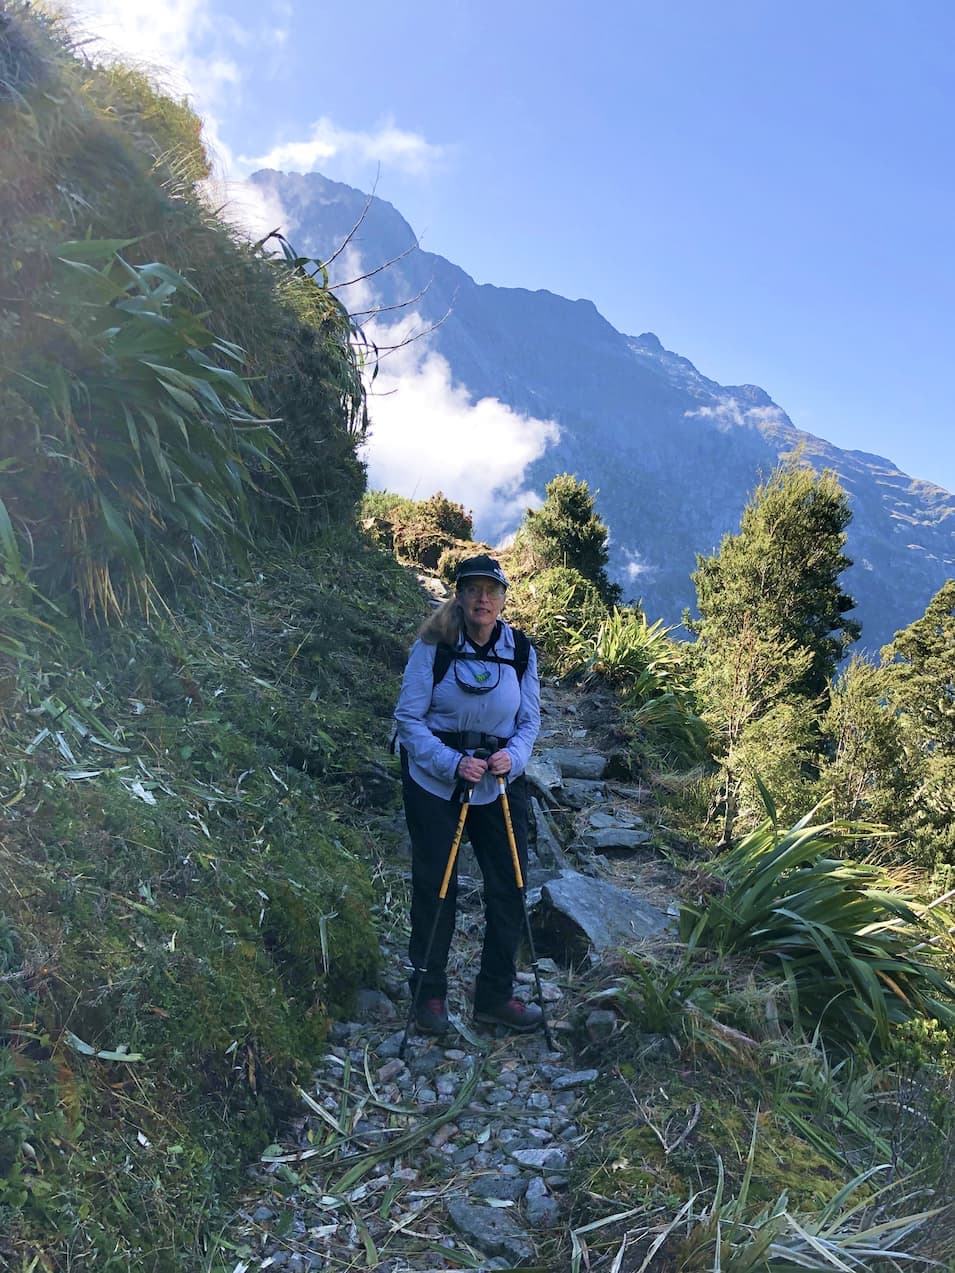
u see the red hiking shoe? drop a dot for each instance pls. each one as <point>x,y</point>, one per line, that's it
<point>431,1016</point>
<point>513,1015</point>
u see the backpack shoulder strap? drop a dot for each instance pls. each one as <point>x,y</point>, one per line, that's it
<point>522,652</point>
<point>443,654</point>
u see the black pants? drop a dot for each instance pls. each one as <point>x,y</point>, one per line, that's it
<point>432,823</point>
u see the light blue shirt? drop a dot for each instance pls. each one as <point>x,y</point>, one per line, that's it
<point>510,710</point>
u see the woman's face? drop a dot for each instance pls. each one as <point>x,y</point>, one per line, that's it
<point>482,601</point>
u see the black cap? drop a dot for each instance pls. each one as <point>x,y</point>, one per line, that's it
<point>480,567</point>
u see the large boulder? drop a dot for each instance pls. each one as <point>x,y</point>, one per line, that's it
<point>578,913</point>
<point>611,839</point>
<point>574,762</point>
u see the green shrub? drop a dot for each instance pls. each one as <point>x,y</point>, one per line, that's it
<point>556,605</point>
<point>387,506</point>
<point>143,462</point>
<point>436,513</point>
<point>649,671</point>
<point>422,531</point>
<point>566,531</point>
<point>97,153</point>
<point>447,517</point>
<point>666,998</point>
<point>847,943</point>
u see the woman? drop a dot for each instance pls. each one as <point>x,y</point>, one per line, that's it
<point>484,701</point>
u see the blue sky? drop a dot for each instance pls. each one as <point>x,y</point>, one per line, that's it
<point>769,187</point>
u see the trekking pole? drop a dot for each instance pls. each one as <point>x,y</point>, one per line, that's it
<point>519,877</point>
<point>442,894</point>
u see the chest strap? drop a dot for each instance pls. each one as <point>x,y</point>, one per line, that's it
<point>470,740</point>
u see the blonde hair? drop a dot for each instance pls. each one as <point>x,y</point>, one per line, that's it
<point>443,625</point>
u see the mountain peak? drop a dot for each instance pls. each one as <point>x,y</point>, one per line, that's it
<point>673,454</point>
<point>373,221</point>
<point>649,341</point>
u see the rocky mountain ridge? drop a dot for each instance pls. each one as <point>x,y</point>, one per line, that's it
<point>672,453</point>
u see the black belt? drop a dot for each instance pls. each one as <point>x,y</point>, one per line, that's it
<point>471,740</point>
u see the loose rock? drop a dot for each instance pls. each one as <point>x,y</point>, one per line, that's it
<point>573,762</point>
<point>493,1230</point>
<point>541,1209</point>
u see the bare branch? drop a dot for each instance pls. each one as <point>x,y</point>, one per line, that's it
<point>378,268</point>
<point>386,309</point>
<point>383,350</point>
<point>364,212</point>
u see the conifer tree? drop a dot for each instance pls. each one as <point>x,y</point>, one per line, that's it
<point>920,667</point>
<point>864,769</point>
<point>771,631</point>
<point>780,573</point>
<point>566,531</point>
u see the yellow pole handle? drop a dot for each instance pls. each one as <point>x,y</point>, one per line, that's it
<point>453,855</point>
<point>512,843</point>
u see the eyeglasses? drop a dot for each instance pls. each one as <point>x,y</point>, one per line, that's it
<point>492,590</point>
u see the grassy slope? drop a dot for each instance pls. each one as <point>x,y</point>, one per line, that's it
<point>184,873</point>
<point>202,897</point>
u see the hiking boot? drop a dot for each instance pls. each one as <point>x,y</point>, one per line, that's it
<point>512,1014</point>
<point>431,1016</point>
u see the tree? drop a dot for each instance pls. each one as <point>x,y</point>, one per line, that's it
<point>920,669</point>
<point>864,770</point>
<point>780,573</point>
<point>771,631</point>
<point>566,531</point>
<point>757,723</point>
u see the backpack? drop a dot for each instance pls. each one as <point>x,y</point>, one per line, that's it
<point>445,654</point>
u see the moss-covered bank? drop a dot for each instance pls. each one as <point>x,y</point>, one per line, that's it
<point>186,875</point>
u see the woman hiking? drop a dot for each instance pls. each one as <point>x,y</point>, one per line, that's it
<point>468,714</point>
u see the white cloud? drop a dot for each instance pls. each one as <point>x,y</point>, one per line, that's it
<point>429,434</point>
<point>188,48</point>
<point>253,210</point>
<point>158,34</point>
<point>635,567</point>
<point>730,412</point>
<point>388,145</point>
<point>195,50</point>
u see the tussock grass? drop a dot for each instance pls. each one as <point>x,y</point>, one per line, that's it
<point>187,850</point>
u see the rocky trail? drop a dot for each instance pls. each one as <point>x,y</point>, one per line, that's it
<point>461,1154</point>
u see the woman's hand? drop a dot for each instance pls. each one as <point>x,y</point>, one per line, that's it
<point>500,763</point>
<point>471,769</point>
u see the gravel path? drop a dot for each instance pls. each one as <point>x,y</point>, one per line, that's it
<point>458,1155</point>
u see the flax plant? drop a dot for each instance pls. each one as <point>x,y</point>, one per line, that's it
<point>852,948</point>
<point>648,669</point>
<point>151,434</point>
<point>855,1232</point>
<point>20,625</point>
